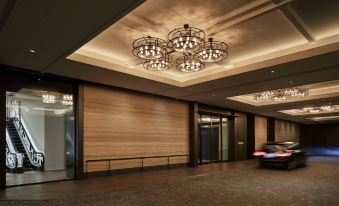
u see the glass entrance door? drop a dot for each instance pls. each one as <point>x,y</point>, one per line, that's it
<point>214,138</point>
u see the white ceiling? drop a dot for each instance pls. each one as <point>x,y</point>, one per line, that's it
<point>57,28</point>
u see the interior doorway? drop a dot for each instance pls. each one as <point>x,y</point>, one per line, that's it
<point>214,138</point>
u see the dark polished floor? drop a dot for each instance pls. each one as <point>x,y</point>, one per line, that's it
<point>235,183</point>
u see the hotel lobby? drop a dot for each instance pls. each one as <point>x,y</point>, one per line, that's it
<point>168,102</point>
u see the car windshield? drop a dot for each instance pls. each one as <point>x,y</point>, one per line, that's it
<point>273,148</point>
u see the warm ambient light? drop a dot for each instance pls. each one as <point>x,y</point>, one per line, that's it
<point>161,64</point>
<point>189,64</point>
<point>326,108</point>
<point>280,95</point>
<point>67,100</point>
<point>48,98</point>
<point>212,51</point>
<point>149,48</point>
<point>188,41</point>
<point>324,118</point>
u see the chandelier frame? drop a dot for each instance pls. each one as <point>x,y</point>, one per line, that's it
<point>280,95</point>
<point>189,41</point>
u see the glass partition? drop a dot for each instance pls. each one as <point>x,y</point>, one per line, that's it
<point>40,134</point>
<point>213,138</point>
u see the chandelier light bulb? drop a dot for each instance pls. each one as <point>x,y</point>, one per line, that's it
<point>48,98</point>
<point>149,48</point>
<point>212,51</point>
<point>280,95</point>
<point>67,100</point>
<point>326,108</point>
<point>186,40</point>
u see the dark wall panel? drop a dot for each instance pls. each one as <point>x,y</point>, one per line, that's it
<point>250,135</point>
<point>320,135</point>
<point>193,134</point>
<point>270,129</point>
<point>320,139</point>
<point>240,147</point>
<point>2,131</point>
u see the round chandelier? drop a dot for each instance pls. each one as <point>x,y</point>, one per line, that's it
<point>161,64</point>
<point>67,100</point>
<point>48,98</point>
<point>188,63</point>
<point>212,51</point>
<point>326,108</point>
<point>149,48</point>
<point>188,41</point>
<point>280,95</point>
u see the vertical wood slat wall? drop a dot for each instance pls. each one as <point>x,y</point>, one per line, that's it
<point>260,131</point>
<point>287,131</point>
<point>119,124</point>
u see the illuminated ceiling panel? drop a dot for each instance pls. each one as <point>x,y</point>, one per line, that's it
<point>326,118</point>
<point>258,33</point>
<point>312,111</point>
<point>316,91</point>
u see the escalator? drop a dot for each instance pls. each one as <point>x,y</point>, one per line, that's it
<point>23,147</point>
<point>13,133</point>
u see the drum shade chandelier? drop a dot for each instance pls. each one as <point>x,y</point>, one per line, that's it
<point>326,108</point>
<point>188,41</point>
<point>280,95</point>
<point>49,98</point>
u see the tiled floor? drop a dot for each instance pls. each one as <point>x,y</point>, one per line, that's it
<point>234,183</point>
<point>34,176</point>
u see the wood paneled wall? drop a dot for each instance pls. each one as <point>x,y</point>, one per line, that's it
<point>119,124</point>
<point>260,131</point>
<point>287,131</point>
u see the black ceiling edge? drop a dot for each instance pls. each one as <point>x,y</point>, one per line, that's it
<point>6,13</point>
<point>54,77</point>
<point>97,31</point>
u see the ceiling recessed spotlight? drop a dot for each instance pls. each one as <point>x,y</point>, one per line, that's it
<point>213,95</point>
<point>291,82</point>
<point>32,50</point>
<point>272,71</point>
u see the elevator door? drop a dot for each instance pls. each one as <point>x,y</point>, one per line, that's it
<point>214,139</point>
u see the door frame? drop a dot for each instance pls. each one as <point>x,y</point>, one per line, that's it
<point>230,119</point>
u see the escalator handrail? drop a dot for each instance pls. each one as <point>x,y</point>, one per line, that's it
<point>12,152</point>
<point>36,158</point>
<point>10,155</point>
